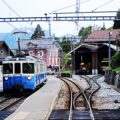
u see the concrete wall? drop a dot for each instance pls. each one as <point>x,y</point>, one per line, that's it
<point>112,78</point>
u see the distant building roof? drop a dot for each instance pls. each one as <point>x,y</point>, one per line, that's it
<point>38,43</point>
<point>102,36</point>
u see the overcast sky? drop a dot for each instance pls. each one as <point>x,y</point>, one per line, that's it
<point>37,8</point>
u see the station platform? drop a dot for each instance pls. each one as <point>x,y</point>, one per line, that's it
<point>39,105</point>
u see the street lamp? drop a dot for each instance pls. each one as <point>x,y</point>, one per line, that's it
<point>109,50</point>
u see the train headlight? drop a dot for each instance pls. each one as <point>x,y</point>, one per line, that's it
<point>29,77</point>
<point>6,78</point>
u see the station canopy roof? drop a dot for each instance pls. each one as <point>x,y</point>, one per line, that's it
<point>90,47</point>
<point>93,48</point>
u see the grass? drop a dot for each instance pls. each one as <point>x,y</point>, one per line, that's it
<point>67,71</point>
<point>108,68</point>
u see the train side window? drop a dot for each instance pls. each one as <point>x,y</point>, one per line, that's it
<point>17,68</point>
<point>28,67</point>
<point>7,68</point>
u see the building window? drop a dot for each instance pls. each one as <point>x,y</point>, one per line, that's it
<point>1,51</point>
<point>30,52</point>
<point>40,53</point>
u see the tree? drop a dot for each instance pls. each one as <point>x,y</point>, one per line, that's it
<point>38,33</point>
<point>84,32</point>
<point>116,22</point>
<point>66,43</point>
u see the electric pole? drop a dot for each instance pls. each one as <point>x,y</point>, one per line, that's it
<point>77,10</point>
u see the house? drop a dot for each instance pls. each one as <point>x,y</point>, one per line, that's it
<point>4,51</point>
<point>102,36</point>
<point>45,49</point>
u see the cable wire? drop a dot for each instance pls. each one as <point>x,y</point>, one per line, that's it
<point>102,5</point>
<point>12,11</point>
<point>68,7</point>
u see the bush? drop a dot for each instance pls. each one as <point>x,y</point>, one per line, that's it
<point>115,62</point>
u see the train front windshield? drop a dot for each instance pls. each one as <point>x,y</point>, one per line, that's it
<point>28,68</point>
<point>8,68</point>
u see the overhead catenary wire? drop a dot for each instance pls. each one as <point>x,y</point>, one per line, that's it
<point>12,11</point>
<point>68,7</point>
<point>102,5</point>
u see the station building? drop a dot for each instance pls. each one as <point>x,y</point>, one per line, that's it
<point>92,56</point>
<point>45,49</point>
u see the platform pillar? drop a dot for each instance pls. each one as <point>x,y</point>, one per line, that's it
<point>73,63</point>
<point>94,63</point>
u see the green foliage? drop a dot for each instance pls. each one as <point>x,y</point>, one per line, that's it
<point>84,32</point>
<point>115,62</point>
<point>117,22</point>
<point>66,45</point>
<point>67,59</point>
<point>108,68</point>
<point>38,33</point>
<point>117,69</point>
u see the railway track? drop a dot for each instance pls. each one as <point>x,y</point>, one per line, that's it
<point>11,103</point>
<point>87,112</point>
<point>93,87</point>
<point>72,112</point>
<point>8,105</point>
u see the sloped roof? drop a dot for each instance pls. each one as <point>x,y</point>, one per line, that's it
<point>1,43</point>
<point>114,47</point>
<point>39,43</point>
<point>90,47</point>
<point>102,36</point>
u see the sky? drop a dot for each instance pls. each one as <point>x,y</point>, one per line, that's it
<point>37,8</point>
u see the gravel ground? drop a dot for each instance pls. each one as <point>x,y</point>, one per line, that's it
<point>105,97</point>
<point>61,102</point>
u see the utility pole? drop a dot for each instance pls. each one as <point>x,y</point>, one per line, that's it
<point>49,24</point>
<point>109,50</point>
<point>77,10</point>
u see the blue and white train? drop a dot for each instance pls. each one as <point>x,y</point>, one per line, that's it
<point>23,73</point>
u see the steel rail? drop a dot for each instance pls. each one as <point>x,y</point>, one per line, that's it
<point>87,101</point>
<point>2,101</point>
<point>71,99</point>
<point>90,96</point>
<point>78,95</point>
<point>12,104</point>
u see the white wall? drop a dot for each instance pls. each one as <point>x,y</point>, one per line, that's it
<point>1,75</point>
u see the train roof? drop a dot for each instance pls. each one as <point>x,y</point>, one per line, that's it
<point>22,58</point>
